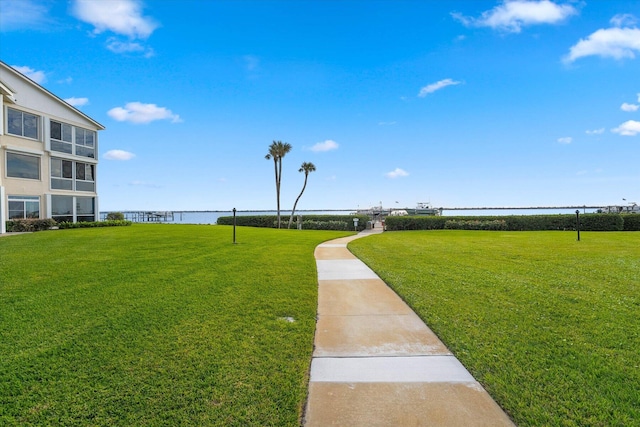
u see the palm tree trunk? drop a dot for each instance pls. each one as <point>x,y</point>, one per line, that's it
<point>296,203</point>
<point>275,167</point>
<point>279,179</point>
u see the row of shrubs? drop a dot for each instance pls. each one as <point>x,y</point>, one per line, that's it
<point>92,224</point>
<point>588,222</point>
<point>309,222</point>
<point>31,224</point>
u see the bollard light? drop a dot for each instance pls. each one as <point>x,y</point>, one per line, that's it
<point>578,223</point>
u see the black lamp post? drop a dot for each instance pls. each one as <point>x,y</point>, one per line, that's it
<point>234,226</point>
<point>578,223</point>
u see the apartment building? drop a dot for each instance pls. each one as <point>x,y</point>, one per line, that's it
<point>48,154</point>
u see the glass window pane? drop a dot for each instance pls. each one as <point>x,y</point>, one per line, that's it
<point>23,166</point>
<point>84,205</point>
<point>80,171</point>
<point>79,136</point>
<point>61,205</point>
<point>14,121</point>
<point>32,209</point>
<point>56,130</point>
<point>90,138</point>
<point>85,186</point>
<point>85,151</point>
<point>89,174</point>
<point>62,147</point>
<point>16,210</point>
<point>67,169</point>
<point>66,133</point>
<point>61,184</point>
<point>56,168</point>
<point>30,125</point>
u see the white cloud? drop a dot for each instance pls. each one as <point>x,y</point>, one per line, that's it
<point>623,20</point>
<point>639,97</point>
<point>117,46</point>
<point>118,155</point>
<point>595,131</point>
<point>396,173</point>
<point>19,14</point>
<point>137,112</point>
<point>512,15</point>
<point>77,102</point>
<point>617,43</point>
<point>37,76</point>
<point>565,140</point>
<point>629,107</point>
<point>628,128</point>
<point>327,145</point>
<point>436,86</point>
<point>387,123</point>
<point>122,17</point>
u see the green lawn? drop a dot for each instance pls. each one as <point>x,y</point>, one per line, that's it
<point>550,326</point>
<point>156,325</point>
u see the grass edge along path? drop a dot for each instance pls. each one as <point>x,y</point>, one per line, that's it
<point>159,325</point>
<point>548,325</point>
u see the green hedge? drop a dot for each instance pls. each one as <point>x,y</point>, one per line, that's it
<point>588,222</point>
<point>29,224</point>
<point>495,224</point>
<point>631,222</point>
<point>92,224</point>
<point>309,222</point>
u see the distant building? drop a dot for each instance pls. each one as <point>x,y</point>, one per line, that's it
<point>48,154</point>
<point>630,208</point>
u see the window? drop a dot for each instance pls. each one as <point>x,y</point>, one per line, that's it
<point>22,124</point>
<point>24,207</point>
<point>62,208</point>
<point>85,180</point>
<point>61,174</point>
<point>85,210</point>
<point>23,166</point>
<point>85,142</point>
<point>62,177</point>
<point>61,139</point>
<point>63,136</point>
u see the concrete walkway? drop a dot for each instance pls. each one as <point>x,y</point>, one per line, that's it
<point>376,363</point>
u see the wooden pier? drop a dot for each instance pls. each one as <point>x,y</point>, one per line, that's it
<point>145,216</point>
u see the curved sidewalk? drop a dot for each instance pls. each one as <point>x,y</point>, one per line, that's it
<point>375,362</point>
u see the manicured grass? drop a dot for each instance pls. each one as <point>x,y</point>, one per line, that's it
<point>550,326</point>
<point>157,325</point>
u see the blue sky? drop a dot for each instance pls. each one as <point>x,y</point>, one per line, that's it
<point>457,103</point>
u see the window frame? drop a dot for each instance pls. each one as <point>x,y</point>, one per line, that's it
<point>38,121</point>
<point>62,141</point>
<point>17,153</point>
<point>82,141</point>
<point>24,200</point>
<point>61,177</point>
<point>92,169</point>
<point>76,183</point>
<point>76,212</point>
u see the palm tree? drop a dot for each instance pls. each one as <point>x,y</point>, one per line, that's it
<point>307,168</point>
<point>277,150</point>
